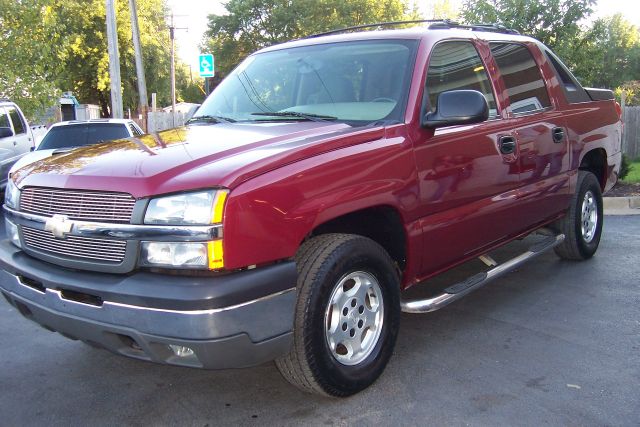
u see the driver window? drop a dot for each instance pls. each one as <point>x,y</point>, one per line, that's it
<point>456,65</point>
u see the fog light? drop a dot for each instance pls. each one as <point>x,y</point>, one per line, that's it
<point>181,351</point>
<point>175,254</point>
<point>12,232</point>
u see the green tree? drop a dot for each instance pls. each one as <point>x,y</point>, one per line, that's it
<point>608,53</point>
<point>250,25</point>
<point>31,42</point>
<point>49,46</point>
<point>86,60</point>
<point>554,22</point>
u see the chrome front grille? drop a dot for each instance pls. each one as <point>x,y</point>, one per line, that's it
<point>101,250</point>
<point>78,204</point>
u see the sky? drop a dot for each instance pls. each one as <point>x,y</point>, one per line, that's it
<point>192,15</point>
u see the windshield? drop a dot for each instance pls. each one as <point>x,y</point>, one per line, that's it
<point>355,82</point>
<point>82,134</point>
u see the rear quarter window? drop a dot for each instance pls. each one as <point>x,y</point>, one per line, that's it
<point>573,91</point>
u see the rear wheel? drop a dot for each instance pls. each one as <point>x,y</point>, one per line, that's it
<point>582,226</point>
<point>347,315</point>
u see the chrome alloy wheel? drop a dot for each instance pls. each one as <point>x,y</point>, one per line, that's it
<point>589,216</point>
<point>354,316</point>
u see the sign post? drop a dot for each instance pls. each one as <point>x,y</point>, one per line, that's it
<point>206,65</point>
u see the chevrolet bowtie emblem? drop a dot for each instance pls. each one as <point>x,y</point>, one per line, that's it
<point>59,225</point>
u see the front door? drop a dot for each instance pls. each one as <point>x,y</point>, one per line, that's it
<point>468,175</point>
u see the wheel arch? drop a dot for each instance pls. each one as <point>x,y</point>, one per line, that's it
<point>595,161</point>
<point>382,223</point>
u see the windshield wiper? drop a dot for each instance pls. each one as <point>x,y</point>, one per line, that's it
<point>209,119</point>
<point>305,116</point>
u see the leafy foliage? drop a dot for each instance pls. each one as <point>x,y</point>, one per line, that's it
<point>550,21</point>
<point>253,24</point>
<point>608,53</point>
<point>625,167</point>
<point>86,60</point>
<point>61,45</point>
<point>30,47</point>
<point>631,90</point>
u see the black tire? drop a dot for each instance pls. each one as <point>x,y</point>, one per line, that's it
<point>323,262</point>
<point>576,245</point>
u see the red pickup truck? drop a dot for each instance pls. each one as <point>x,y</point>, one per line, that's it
<point>319,181</point>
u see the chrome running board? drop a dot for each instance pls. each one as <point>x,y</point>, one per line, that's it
<point>457,291</point>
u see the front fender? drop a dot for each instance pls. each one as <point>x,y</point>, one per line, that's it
<point>267,217</point>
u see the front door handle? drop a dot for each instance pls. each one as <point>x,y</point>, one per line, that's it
<point>558,135</point>
<point>507,144</point>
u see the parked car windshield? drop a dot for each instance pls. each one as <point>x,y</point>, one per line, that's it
<point>356,82</point>
<point>82,134</point>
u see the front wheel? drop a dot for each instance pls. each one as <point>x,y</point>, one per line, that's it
<point>582,225</point>
<point>347,315</point>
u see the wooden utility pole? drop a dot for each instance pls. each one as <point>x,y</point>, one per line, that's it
<point>114,60</point>
<point>172,34</point>
<point>142,83</point>
<point>172,31</point>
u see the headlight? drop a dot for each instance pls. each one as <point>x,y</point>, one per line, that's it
<point>199,208</point>
<point>183,255</point>
<point>11,194</point>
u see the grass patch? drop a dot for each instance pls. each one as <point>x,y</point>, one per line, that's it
<point>634,173</point>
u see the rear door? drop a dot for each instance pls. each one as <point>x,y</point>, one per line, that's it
<point>540,132</point>
<point>467,184</point>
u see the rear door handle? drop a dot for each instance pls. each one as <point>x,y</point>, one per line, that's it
<point>507,144</point>
<point>558,135</point>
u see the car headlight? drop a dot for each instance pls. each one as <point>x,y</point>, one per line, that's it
<point>204,255</point>
<point>11,194</point>
<point>198,208</point>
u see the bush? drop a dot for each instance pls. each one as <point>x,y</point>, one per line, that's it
<point>625,167</point>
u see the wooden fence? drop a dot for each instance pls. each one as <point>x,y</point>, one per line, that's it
<point>160,121</point>
<point>631,133</point>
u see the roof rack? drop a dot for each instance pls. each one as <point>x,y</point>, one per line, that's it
<point>436,24</point>
<point>493,28</point>
<point>379,24</point>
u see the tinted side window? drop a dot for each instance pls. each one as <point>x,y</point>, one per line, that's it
<point>4,119</point>
<point>572,89</point>
<point>18,124</point>
<point>521,75</point>
<point>456,65</point>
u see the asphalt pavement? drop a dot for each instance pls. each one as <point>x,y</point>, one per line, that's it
<point>554,343</point>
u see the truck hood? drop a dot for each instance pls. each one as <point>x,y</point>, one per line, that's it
<point>190,157</point>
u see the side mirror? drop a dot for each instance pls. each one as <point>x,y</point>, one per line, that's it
<point>5,132</point>
<point>458,107</point>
